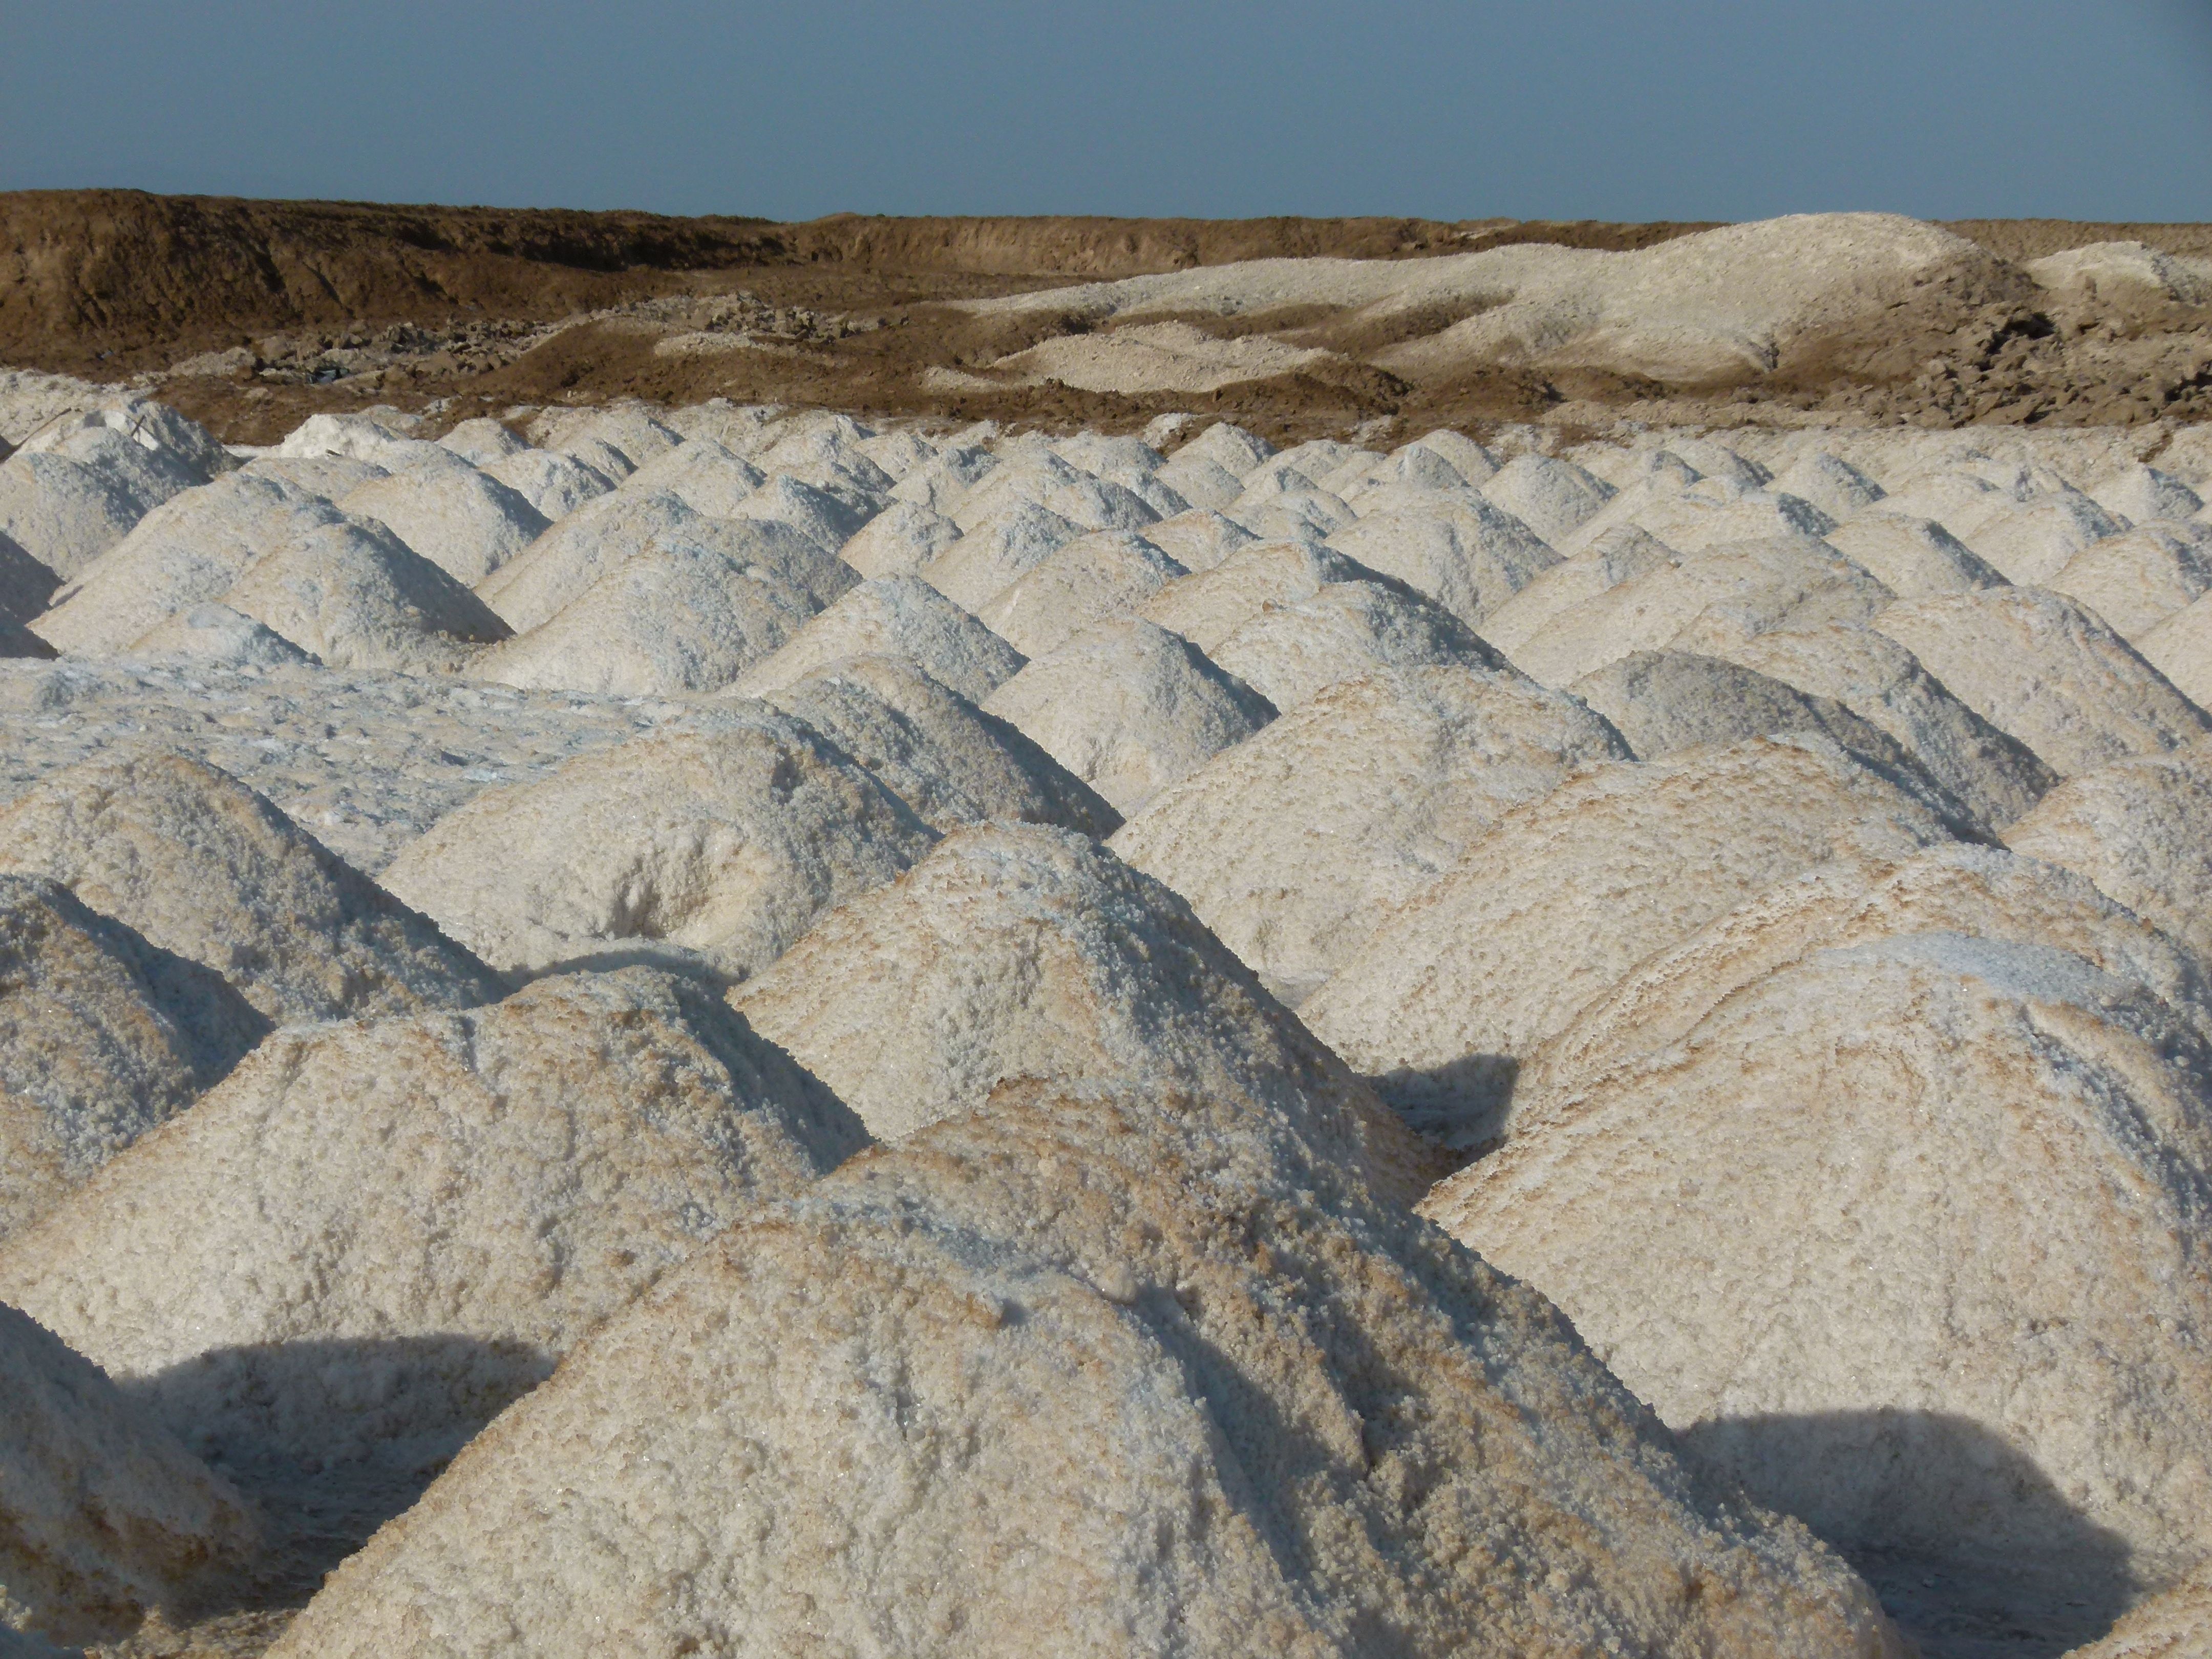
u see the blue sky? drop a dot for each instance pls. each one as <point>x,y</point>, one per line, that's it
<point>1716,109</point>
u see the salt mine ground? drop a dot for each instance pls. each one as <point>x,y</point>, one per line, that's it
<point>969,937</point>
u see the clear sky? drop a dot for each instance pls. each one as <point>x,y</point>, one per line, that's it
<point>1611,109</point>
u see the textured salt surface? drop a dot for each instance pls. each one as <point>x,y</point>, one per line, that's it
<point>1598,806</point>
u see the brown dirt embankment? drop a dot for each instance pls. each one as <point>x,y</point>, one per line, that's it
<point>280,309</point>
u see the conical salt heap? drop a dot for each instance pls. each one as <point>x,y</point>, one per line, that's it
<point>1088,1373</point>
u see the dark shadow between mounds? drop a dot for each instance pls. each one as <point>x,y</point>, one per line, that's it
<point>1972,1548</point>
<point>330,1438</point>
<point>1460,1104</point>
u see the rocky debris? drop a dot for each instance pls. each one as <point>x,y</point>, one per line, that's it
<point>2038,667</point>
<point>1455,990</point>
<point>446,1203</point>
<point>2136,828</point>
<point>102,1036</point>
<point>1995,777</point>
<point>1939,1384</point>
<point>938,752</point>
<point>1129,709</point>
<point>893,616</point>
<point>1289,653</point>
<point>464,521</point>
<point>1142,1264</point>
<point>202,866</point>
<point>1091,580</point>
<point>103,1516</point>
<point>724,836</point>
<point>675,618</point>
<point>1294,844</point>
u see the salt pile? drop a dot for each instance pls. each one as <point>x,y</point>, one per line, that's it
<point>928,971</point>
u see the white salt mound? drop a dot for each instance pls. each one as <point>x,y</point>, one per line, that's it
<point>676,618</point>
<point>2136,828</point>
<point>554,483</point>
<point>2012,1140</point>
<point>1552,497</point>
<point>724,835</point>
<point>1289,653</point>
<point>1914,558</point>
<point>481,441</point>
<point>894,616</point>
<point>997,551</point>
<point>187,552</point>
<point>1665,701</point>
<point>1207,606</point>
<point>1455,990</point>
<point>1469,555</point>
<point>1995,777</point>
<point>354,595</point>
<point>1036,1248</point>
<point>2136,580</point>
<point>1128,708</point>
<point>1071,968</point>
<point>2038,665</point>
<point>1199,539</point>
<point>899,540</point>
<point>465,522</point>
<point>703,475</point>
<point>1294,844</point>
<point>101,1037</point>
<point>457,1198</point>
<point>1093,579</point>
<point>1711,603</point>
<point>1618,557</point>
<point>938,752</point>
<point>103,1516</point>
<point>68,501</point>
<point>200,866</point>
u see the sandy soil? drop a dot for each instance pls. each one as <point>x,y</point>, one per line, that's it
<point>251,315</point>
